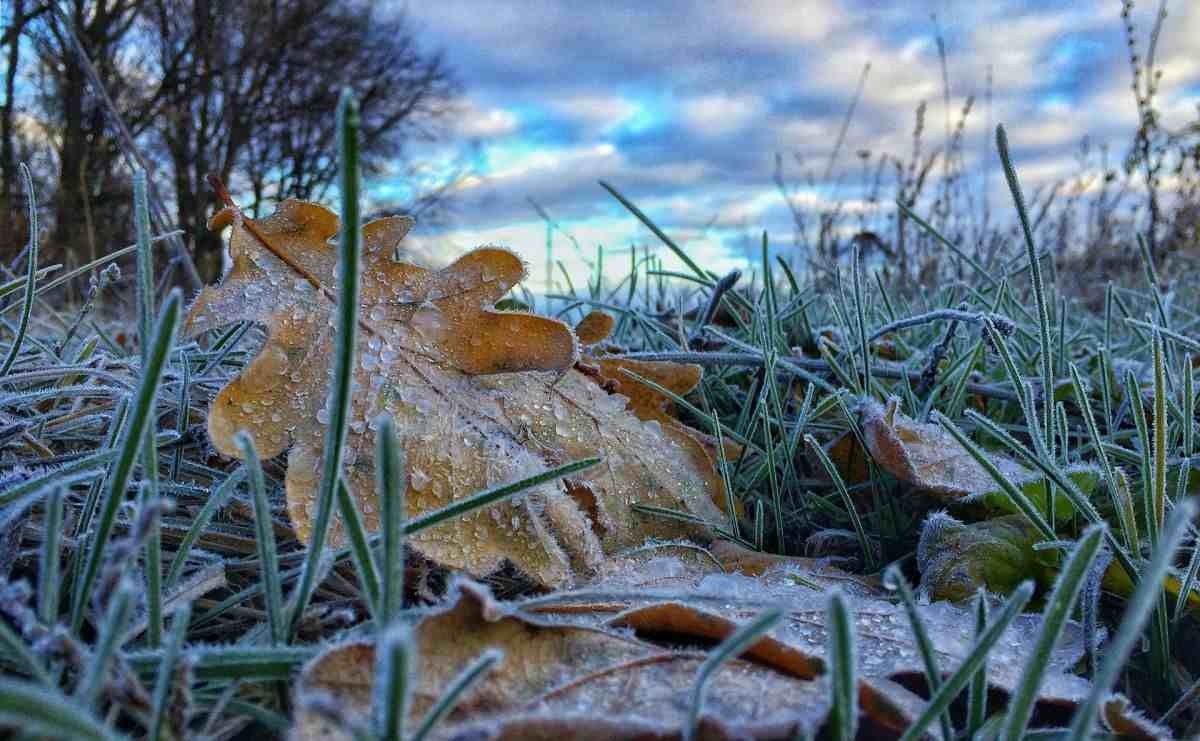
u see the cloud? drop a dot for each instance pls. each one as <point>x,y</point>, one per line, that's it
<point>683,104</point>
<point>473,121</point>
<point>721,115</point>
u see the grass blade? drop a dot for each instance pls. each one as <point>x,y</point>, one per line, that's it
<point>394,654</point>
<point>730,648</point>
<point>166,671</point>
<point>391,484</point>
<point>495,494</point>
<point>1137,610</point>
<point>39,711</point>
<point>200,522</point>
<point>139,421</point>
<point>1035,275</point>
<point>933,677</point>
<point>340,391</point>
<point>683,256</point>
<point>971,664</point>
<point>830,469</point>
<point>360,547</point>
<point>107,645</point>
<point>50,564</point>
<point>1054,619</point>
<point>458,686</point>
<point>264,531</point>
<point>843,669</point>
<point>977,691</point>
<point>14,350</point>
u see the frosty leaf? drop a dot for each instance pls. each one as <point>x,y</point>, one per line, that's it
<point>594,328</point>
<point>929,457</point>
<point>620,664</point>
<point>479,397</point>
<point>957,558</point>
<point>564,682</point>
<point>650,404</point>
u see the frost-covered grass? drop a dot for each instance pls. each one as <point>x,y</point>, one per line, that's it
<point>154,590</point>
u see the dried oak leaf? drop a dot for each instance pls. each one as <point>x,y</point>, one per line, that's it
<point>651,405</point>
<point>617,660</point>
<point>712,597</point>
<point>479,397</point>
<point>928,456</point>
<point>562,682</point>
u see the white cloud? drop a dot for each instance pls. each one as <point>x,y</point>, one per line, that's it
<point>720,115</point>
<point>473,121</point>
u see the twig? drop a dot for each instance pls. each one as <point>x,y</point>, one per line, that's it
<point>811,365</point>
<point>954,315</point>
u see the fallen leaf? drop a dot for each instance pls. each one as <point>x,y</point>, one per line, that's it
<point>479,397</point>
<point>621,664</point>
<point>651,405</point>
<point>563,682</point>
<point>957,558</point>
<point>928,456</point>
<point>594,328</point>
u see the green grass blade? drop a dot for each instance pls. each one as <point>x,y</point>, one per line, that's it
<point>166,672</point>
<point>860,311</point>
<point>14,349</point>
<point>831,470</point>
<point>1110,477</point>
<point>730,648</point>
<point>264,532</point>
<point>107,645</point>
<point>683,256</point>
<point>394,659</point>
<point>134,434</point>
<point>50,478</point>
<point>1054,619</point>
<point>971,663</point>
<point>1144,599</point>
<point>49,567</point>
<point>495,494</point>
<point>1035,274</point>
<point>145,263</point>
<point>843,669</point>
<point>231,662</point>
<point>977,691</point>
<point>360,547</point>
<point>391,483</point>
<point>458,687</point>
<point>153,567</point>
<point>200,522</point>
<point>340,391</point>
<point>43,712</point>
<point>894,579</point>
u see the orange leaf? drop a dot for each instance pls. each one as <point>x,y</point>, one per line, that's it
<point>480,397</point>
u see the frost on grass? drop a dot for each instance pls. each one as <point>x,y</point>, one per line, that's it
<point>480,397</point>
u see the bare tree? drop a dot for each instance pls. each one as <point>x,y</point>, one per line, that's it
<point>246,90</point>
<point>249,91</point>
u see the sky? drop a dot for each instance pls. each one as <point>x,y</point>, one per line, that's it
<point>682,105</point>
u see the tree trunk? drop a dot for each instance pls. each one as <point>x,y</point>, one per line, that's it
<point>13,238</point>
